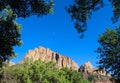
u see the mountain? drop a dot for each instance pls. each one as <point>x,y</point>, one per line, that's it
<point>45,54</point>
<point>97,75</point>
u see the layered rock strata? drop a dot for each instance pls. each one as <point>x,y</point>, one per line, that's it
<point>87,68</point>
<point>97,75</point>
<point>48,55</point>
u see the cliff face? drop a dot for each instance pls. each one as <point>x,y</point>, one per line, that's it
<point>86,68</point>
<point>97,75</point>
<point>48,55</point>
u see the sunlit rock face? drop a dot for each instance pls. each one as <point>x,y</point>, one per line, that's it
<point>101,71</point>
<point>87,68</point>
<point>45,54</point>
<point>11,63</point>
<point>97,75</point>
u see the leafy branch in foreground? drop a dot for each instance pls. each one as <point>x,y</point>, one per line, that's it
<point>109,51</point>
<point>81,11</point>
<point>26,8</point>
<point>9,34</point>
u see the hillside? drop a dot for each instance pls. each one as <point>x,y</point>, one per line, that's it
<point>39,72</point>
<point>43,65</point>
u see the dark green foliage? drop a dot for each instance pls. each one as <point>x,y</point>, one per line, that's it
<point>71,76</point>
<point>9,34</point>
<point>116,10</point>
<point>25,8</point>
<point>9,29</point>
<point>82,10</point>
<point>43,72</point>
<point>110,51</point>
<point>117,81</point>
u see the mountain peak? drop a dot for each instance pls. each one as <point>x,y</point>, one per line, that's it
<point>86,68</point>
<point>45,54</point>
<point>88,64</point>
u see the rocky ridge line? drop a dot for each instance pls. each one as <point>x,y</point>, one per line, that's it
<point>46,54</point>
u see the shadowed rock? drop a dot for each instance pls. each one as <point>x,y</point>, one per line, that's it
<point>97,75</point>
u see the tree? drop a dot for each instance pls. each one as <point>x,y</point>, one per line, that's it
<point>26,8</point>
<point>82,10</point>
<point>109,51</point>
<point>10,29</point>
<point>9,34</point>
<point>42,72</point>
<point>71,76</point>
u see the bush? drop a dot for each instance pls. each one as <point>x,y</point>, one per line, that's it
<point>44,72</point>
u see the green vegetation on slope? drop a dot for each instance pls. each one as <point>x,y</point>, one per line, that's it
<point>40,72</point>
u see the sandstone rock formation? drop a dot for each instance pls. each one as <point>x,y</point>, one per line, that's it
<point>101,71</point>
<point>97,75</point>
<point>94,75</point>
<point>87,68</point>
<point>11,63</point>
<point>48,55</point>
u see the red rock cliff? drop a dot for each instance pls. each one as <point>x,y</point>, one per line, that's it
<point>48,55</point>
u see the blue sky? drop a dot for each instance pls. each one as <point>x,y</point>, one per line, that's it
<point>57,32</point>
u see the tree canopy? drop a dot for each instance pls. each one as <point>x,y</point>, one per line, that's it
<point>26,8</point>
<point>10,29</point>
<point>81,11</point>
<point>9,34</point>
<point>40,72</point>
<point>109,51</point>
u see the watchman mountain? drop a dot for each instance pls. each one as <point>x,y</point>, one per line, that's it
<point>95,75</point>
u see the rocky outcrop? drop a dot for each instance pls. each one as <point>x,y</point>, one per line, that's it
<point>97,75</point>
<point>101,71</point>
<point>87,68</point>
<point>48,55</point>
<point>96,78</point>
<point>11,63</point>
